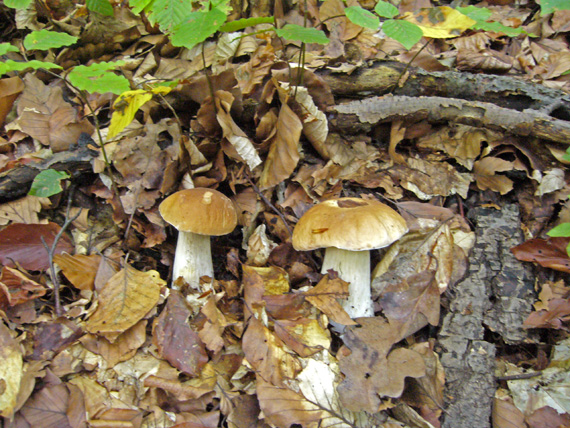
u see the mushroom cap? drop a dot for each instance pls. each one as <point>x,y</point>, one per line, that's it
<point>349,224</point>
<point>202,211</point>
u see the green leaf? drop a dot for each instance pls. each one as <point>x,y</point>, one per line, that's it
<point>97,78</point>
<point>497,27</point>
<point>17,4</point>
<point>562,230</point>
<point>169,13</point>
<point>44,39</point>
<point>362,17</point>
<point>475,13</point>
<point>197,27</point>
<point>139,5</point>
<point>566,155</point>
<point>405,32</point>
<point>7,47</point>
<point>100,6</point>
<point>302,34</point>
<point>549,6</point>
<point>9,65</point>
<point>240,24</point>
<point>385,9</point>
<point>48,183</point>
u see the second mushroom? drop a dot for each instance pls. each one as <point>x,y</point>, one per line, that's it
<point>349,228</point>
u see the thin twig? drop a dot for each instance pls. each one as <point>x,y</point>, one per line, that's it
<point>51,252</point>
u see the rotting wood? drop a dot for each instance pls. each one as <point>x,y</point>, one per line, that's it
<point>468,359</point>
<point>528,123</point>
<point>505,91</point>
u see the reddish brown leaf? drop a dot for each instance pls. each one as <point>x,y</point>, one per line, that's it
<point>22,244</point>
<point>547,417</point>
<point>176,341</point>
<point>52,337</point>
<point>16,288</point>
<point>550,253</point>
<point>558,312</point>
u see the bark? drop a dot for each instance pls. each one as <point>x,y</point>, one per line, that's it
<point>496,292</point>
<point>436,109</point>
<point>504,91</point>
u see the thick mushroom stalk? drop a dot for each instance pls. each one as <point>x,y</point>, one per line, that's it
<point>353,267</point>
<point>193,258</point>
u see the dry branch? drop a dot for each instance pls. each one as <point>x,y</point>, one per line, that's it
<point>437,109</point>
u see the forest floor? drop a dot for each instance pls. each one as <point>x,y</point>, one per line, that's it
<point>464,134</point>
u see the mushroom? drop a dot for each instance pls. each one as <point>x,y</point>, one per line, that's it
<point>349,228</point>
<point>197,214</point>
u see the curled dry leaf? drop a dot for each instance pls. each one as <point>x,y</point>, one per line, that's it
<point>284,152</point>
<point>24,244</point>
<point>325,295</point>
<point>16,288</point>
<point>126,298</point>
<point>485,174</point>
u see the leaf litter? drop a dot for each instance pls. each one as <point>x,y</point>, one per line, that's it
<point>256,348</point>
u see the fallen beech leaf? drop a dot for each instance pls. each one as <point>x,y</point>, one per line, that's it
<point>176,341</point>
<point>283,407</point>
<point>324,296</point>
<point>16,288</point>
<point>47,408</point>
<point>284,152</point>
<point>304,336</point>
<point>11,364</point>
<point>52,337</point>
<point>547,417</point>
<point>22,244</point>
<point>125,300</point>
<point>370,370</point>
<point>79,269</point>
<point>550,253</point>
<point>124,347</point>
<point>266,353</point>
<point>484,172</point>
<point>506,414</point>
<point>554,317</point>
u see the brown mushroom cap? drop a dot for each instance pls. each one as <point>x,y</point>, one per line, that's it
<point>201,211</point>
<point>349,224</point>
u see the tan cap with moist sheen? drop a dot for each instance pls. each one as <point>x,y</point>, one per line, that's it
<point>201,211</point>
<point>349,224</point>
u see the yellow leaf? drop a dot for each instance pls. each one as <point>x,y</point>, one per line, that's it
<point>440,22</point>
<point>125,300</point>
<point>126,106</point>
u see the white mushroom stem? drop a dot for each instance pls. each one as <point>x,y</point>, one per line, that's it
<point>353,267</point>
<point>193,258</point>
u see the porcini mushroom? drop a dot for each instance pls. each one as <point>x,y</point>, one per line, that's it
<point>349,228</point>
<point>197,214</point>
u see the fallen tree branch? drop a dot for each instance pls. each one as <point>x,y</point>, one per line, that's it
<point>475,113</point>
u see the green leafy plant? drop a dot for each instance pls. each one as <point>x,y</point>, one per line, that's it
<point>561,231</point>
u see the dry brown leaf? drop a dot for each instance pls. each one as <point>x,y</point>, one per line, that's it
<point>211,332</point>
<point>175,339</point>
<point>412,302</point>
<point>44,115</point>
<point>325,295</point>
<point>10,88</point>
<point>23,210</point>
<point>79,269</point>
<point>283,407</point>
<point>47,408</point>
<point>550,253</point>
<point>123,349</point>
<point>124,301</point>
<point>304,336</point>
<point>232,132</point>
<point>505,414</point>
<point>267,355</point>
<point>315,123</point>
<point>11,364</point>
<point>52,337</point>
<point>484,172</point>
<point>17,288</point>
<point>371,371</point>
<point>546,417</point>
<point>284,152</point>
